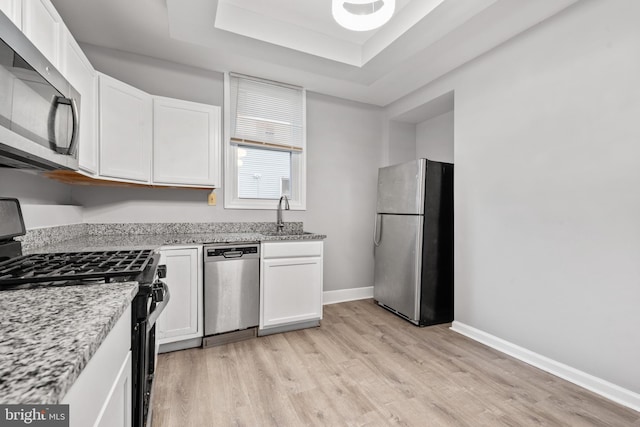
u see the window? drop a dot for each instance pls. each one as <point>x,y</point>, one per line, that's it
<point>261,173</point>
<point>265,143</point>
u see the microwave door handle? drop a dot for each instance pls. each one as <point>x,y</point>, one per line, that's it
<point>76,126</point>
<point>61,100</point>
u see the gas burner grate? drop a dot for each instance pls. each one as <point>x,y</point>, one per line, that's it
<point>67,266</point>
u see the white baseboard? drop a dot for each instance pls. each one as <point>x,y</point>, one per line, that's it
<point>597,385</point>
<point>343,295</point>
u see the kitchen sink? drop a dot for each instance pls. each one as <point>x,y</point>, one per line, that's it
<point>286,233</point>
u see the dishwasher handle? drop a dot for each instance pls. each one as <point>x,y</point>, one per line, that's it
<point>233,254</point>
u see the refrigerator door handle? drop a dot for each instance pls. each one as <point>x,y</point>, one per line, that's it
<point>377,231</point>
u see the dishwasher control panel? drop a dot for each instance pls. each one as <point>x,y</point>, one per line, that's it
<point>228,251</point>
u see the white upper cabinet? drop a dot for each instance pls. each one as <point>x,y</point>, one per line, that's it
<point>80,73</point>
<point>186,143</point>
<point>42,24</point>
<point>126,134</point>
<point>13,10</point>
<point>125,128</point>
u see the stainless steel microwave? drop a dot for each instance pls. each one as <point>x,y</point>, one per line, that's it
<point>39,121</point>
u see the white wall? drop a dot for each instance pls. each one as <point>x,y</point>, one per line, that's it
<point>546,190</point>
<point>434,138</point>
<point>402,142</point>
<point>156,76</point>
<point>343,139</point>
<point>44,202</point>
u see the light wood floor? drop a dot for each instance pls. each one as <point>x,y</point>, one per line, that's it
<point>367,367</point>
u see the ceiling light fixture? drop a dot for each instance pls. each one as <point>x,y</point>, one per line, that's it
<point>362,15</point>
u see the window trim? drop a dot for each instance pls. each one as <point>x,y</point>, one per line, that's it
<point>298,200</point>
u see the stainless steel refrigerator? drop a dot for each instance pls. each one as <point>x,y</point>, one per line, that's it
<point>413,241</point>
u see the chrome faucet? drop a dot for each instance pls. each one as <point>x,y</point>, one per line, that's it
<point>280,222</point>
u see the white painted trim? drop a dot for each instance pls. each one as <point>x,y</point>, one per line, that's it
<point>597,385</point>
<point>343,295</point>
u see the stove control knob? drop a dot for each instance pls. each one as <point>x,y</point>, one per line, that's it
<point>162,271</point>
<point>158,294</point>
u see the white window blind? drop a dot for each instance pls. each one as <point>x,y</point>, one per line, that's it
<point>266,114</point>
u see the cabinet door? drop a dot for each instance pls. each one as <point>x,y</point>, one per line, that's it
<point>13,10</point>
<point>186,142</point>
<point>116,411</point>
<point>80,73</point>
<point>43,26</point>
<point>101,395</point>
<point>181,318</point>
<point>291,291</point>
<point>125,126</point>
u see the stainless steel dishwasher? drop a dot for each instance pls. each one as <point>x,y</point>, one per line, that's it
<point>231,292</point>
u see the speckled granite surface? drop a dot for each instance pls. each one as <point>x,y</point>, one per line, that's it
<point>191,228</point>
<point>154,241</point>
<point>149,236</point>
<point>152,235</point>
<point>47,236</point>
<point>47,336</point>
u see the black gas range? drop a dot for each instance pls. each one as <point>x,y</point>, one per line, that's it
<point>18,271</point>
<point>65,268</point>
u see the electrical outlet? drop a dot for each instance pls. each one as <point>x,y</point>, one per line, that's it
<point>212,199</point>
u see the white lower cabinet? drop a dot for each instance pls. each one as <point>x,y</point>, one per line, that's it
<point>182,317</point>
<point>117,409</point>
<point>101,395</point>
<point>290,283</point>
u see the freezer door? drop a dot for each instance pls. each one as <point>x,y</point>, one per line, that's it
<point>401,188</point>
<point>398,263</point>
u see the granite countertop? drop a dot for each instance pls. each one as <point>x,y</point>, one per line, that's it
<point>48,335</point>
<point>85,237</point>
<point>154,241</point>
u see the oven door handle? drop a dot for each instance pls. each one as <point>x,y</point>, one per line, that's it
<point>153,316</point>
